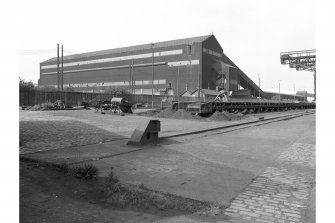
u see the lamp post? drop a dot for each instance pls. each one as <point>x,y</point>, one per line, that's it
<point>153,74</point>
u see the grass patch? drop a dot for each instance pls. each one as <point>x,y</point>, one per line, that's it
<point>122,195</point>
<point>115,193</point>
<point>85,171</point>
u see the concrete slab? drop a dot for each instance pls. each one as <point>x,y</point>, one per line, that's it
<point>72,155</point>
<point>177,173</point>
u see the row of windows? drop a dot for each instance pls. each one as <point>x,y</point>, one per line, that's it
<point>170,64</point>
<point>119,83</point>
<point>112,59</point>
<point>212,52</point>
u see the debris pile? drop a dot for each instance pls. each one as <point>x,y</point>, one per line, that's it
<point>170,113</point>
<point>166,113</point>
<point>41,107</point>
<point>225,116</point>
<point>49,106</point>
<point>183,114</point>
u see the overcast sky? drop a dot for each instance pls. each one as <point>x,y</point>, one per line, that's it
<point>252,33</point>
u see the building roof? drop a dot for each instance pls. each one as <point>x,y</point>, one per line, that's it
<point>208,92</point>
<point>186,92</point>
<point>176,42</point>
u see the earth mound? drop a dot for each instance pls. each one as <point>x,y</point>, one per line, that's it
<point>225,116</point>
<point>183,114</point>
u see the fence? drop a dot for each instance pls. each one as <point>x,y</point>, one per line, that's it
<point>34,97</point>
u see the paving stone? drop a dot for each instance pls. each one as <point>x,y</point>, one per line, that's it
<point>238,204</point>
<point>243,196</point>
<point>255,208</point>
<point>257,198</point>
<point>239,208</point>
<point>247,218</point>
<point>263,213</point>
<point>280,216</point>
<point>249,214</point>
<point>237,201</point>
<point>231,210</point>
<point>263,220</point>
<point>273,211</point>
<point>293,219</point>
<point>290,210</point>
<point>268,207</point>
<point>292,215</point>
<point>268,218</point>
<point>235,215</point>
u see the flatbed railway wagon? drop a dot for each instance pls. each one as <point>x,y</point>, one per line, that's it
<point>207,108</point>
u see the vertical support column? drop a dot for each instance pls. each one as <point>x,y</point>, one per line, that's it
<point>178,86</point>
<point>199,84</point>
<point>228,80</point>
<point>130,80</point>
<point>222,83</point>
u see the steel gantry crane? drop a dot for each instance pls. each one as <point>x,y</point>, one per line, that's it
<point>301,60</point>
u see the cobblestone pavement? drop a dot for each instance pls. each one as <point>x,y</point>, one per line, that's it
<point>41,135</point>
<point>281,192</point>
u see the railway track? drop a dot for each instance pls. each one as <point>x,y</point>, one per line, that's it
<point>240,125</point>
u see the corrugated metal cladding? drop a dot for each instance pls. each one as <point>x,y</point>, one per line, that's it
<point>185,63</point>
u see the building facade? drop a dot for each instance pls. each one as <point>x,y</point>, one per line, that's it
<point>184,64</point>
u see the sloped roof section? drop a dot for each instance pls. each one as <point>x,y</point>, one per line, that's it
<point>207,92</point>
<point>177,42</point>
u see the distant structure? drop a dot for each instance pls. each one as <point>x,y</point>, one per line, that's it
<point>184,64</point>
<point>301,60</point>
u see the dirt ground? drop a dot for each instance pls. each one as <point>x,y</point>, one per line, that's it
<point>208,167</point>
<point>47,195</point>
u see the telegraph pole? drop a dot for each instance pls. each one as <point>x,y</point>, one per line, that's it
<point>58,67</point>
<point>294,91</point>
<point>153,75</point>
<point>62,70</point>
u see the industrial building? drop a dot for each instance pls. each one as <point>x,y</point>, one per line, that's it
<point>183,64</point>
